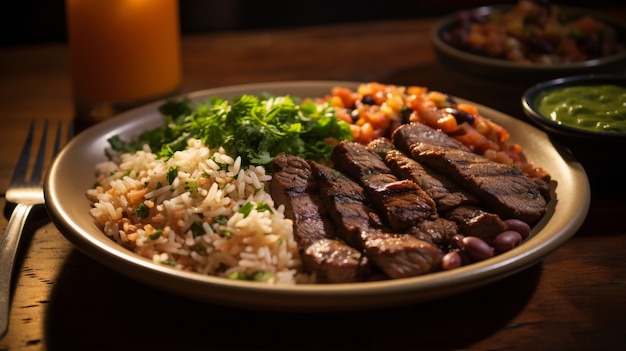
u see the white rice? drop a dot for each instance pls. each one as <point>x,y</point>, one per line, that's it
<point>206,194</point>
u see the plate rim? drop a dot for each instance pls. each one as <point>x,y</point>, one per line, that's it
<point>304,297</point>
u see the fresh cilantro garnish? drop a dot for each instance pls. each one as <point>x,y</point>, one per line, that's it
<point>256,276</point>
<point>172,173</point>
<point>142,211</point>
<point>245,209</point>
<point>197,228</point>
<point>157,234</point>
<point>257,128</point>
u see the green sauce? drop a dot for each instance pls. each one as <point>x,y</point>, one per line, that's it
<point>591,107</point>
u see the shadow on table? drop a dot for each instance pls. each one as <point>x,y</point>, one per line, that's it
<point>37,218</point>
<point>113,312</point>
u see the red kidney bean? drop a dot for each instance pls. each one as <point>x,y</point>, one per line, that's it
<point>477,249</point>
<point>507,240</point>
<point>451,260</point>
<point>519,226</point>
<point>456,242</point>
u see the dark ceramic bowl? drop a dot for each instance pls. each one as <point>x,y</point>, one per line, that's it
<point>599,152</point>
<point>530,73</point>
<point>530,101</point>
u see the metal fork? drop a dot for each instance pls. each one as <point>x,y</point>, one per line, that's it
<point>26,192</point>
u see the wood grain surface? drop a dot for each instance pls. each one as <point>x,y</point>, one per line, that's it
<point>575,299</point>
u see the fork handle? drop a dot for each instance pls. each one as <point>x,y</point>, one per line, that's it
<point>8,249</point>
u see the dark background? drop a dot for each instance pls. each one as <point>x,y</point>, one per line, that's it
<point>39,21</point>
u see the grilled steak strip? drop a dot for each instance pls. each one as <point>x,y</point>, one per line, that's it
<point>397,255</point>
<point>437,231</point>
<point>293,186</point>
<point>446,193</point>
<point>504,189</point>
<point>332,261</point>
<point>408,134</point>
<point>347,205</point>
<point>473,221</point>
<point>400,201</point>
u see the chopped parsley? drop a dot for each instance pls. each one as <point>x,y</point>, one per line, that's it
<point>172,173</point>
<point>256,276</point>
<point>196,228</point>
<point>157,234</point>
<point>221,219</point>
<point>257,128</point>
<point>142,211</point>
<point>246,208</point>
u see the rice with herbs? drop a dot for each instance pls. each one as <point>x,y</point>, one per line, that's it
<point>199,211</point>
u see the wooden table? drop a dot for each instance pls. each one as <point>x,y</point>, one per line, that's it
<point>575,299</point>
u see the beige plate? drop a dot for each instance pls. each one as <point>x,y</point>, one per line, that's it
<point>72,173</point>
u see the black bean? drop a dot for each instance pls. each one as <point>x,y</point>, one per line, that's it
<point>355,115</point>
<point>461,116</point>
<point>368,100</point>
<point>540,45</point>
<point>506,241</point>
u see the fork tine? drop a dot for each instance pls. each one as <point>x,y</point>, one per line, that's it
<point>22,163</point>
<point>41,155</point>
<point>57,139</point>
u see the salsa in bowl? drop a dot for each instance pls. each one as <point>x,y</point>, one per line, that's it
<point>530,41</point>
<point>581,107</point>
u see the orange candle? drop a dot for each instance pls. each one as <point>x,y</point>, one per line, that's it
<point>123,51</point>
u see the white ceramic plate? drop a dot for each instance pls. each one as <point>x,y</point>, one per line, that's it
<point>72,173</point>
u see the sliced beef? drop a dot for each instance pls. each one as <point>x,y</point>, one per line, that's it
<point>446,193</point>
<point>400,255</point>
<point>402,202</point>
<point>293,186</point>
<point>397,255</point>
<point>473,221</point>
<point>332,261</point>
<point>347,205</point>
<point>503,189</point>
<point>408,134</point>
<point>438,231</point>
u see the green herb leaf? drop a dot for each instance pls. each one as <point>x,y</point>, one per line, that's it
<point>257,128</point>
<point>142,211</point>
<point>172,173</point>
<point>245,209</point>
<point>157,234</point>
<point>197,228</point>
